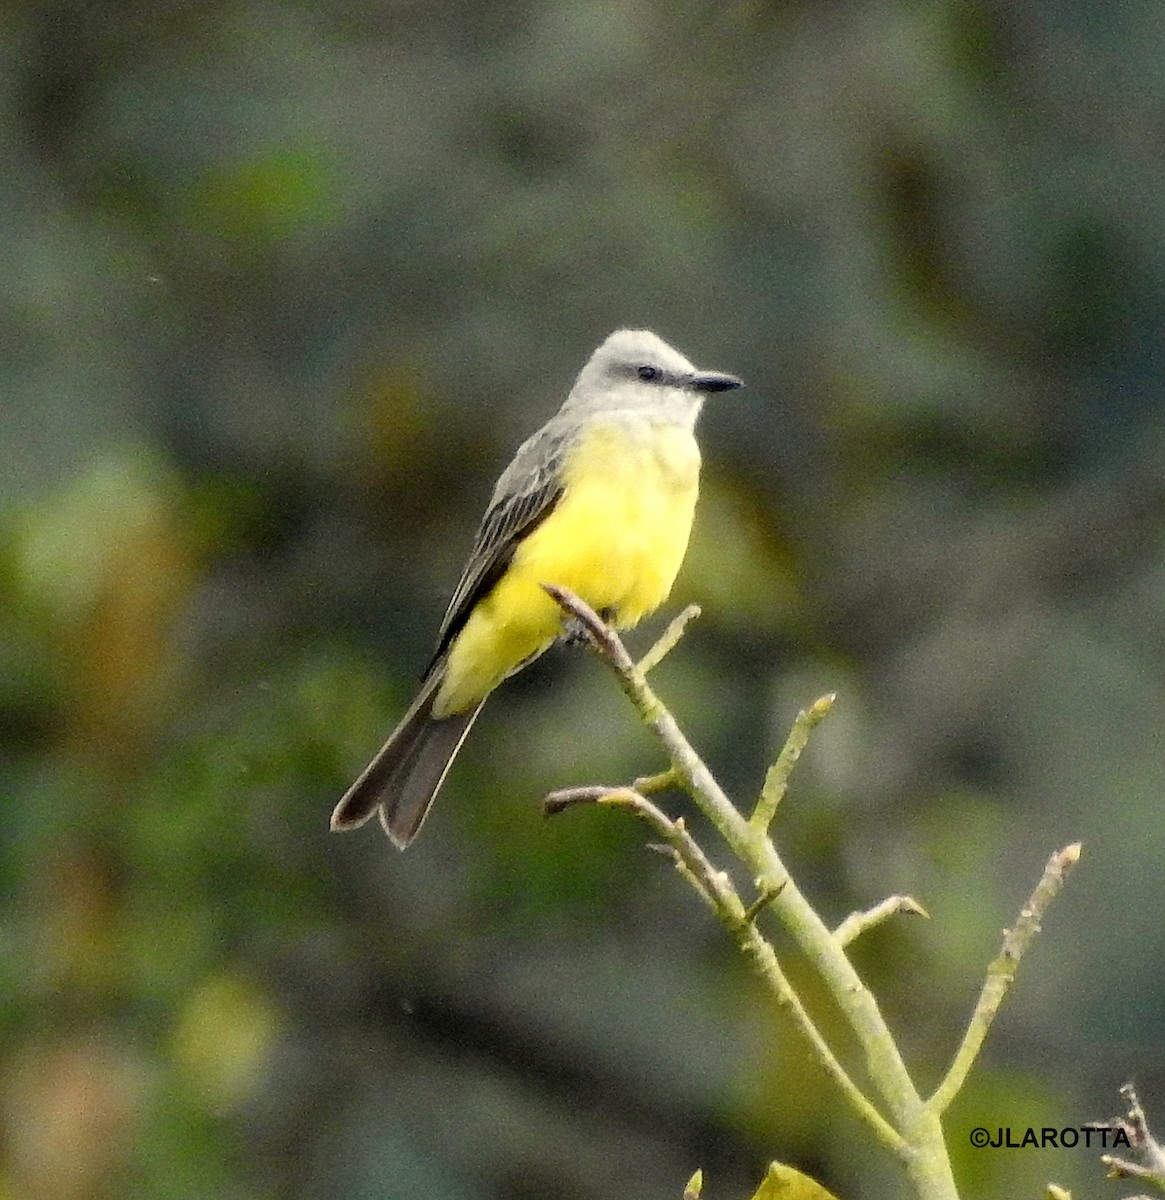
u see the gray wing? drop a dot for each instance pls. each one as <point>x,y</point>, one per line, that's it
<point>525,495</point>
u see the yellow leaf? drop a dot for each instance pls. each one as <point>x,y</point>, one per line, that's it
<point>786,1183</point>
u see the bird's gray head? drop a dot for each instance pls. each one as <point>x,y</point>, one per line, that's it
<point>635,369</point>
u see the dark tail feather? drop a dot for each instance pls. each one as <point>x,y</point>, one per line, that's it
<point>404,777</point>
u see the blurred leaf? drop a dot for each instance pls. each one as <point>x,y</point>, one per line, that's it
<point>71,1115</point>
<point>69,549</point>
<point>224,1039</point>
<point>272,195</point>
<point>102,570</point>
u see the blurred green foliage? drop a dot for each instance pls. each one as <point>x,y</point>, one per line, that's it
<point>285,285</point>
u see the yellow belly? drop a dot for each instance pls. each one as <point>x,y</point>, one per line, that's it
<point>617,539</point>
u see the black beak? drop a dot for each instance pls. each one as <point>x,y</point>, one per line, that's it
<point>715,381</point>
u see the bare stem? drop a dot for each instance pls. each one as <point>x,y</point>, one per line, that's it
<point>931,1169</point>
<point>668,639</point>
<point>1135,1127</point>
<point>1001,972</point>
<point>648,785</point>
<point>857,923</point>
<point>777,779</point>
<point>716,888</point>
<point>912,1128</point>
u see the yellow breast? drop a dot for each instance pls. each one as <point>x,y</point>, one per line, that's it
<point>617,539</point>
<point>621,530</point>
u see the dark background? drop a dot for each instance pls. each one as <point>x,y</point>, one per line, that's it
<point>284,285</point>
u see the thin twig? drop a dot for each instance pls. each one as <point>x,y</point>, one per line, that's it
<point>1135,1127</point>
<point>630,797</point>
<point>565,798</point>
<point>667,640</point>
<point>1001,972</point>
<point>648,785</point>
<point>766,897</point>
<point>858,922</point>
<point>777,778</point>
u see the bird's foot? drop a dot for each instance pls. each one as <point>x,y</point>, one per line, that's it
<point>574,632</point>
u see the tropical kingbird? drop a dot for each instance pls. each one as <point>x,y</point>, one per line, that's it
<point>600,501</point>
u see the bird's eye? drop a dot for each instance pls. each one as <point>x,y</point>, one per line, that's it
<point>649,373</point>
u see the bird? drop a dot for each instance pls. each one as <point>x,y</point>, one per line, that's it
<point>600,501</point>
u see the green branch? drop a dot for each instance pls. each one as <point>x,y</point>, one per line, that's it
<point>899,1117</point>
<point>717,890</point>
